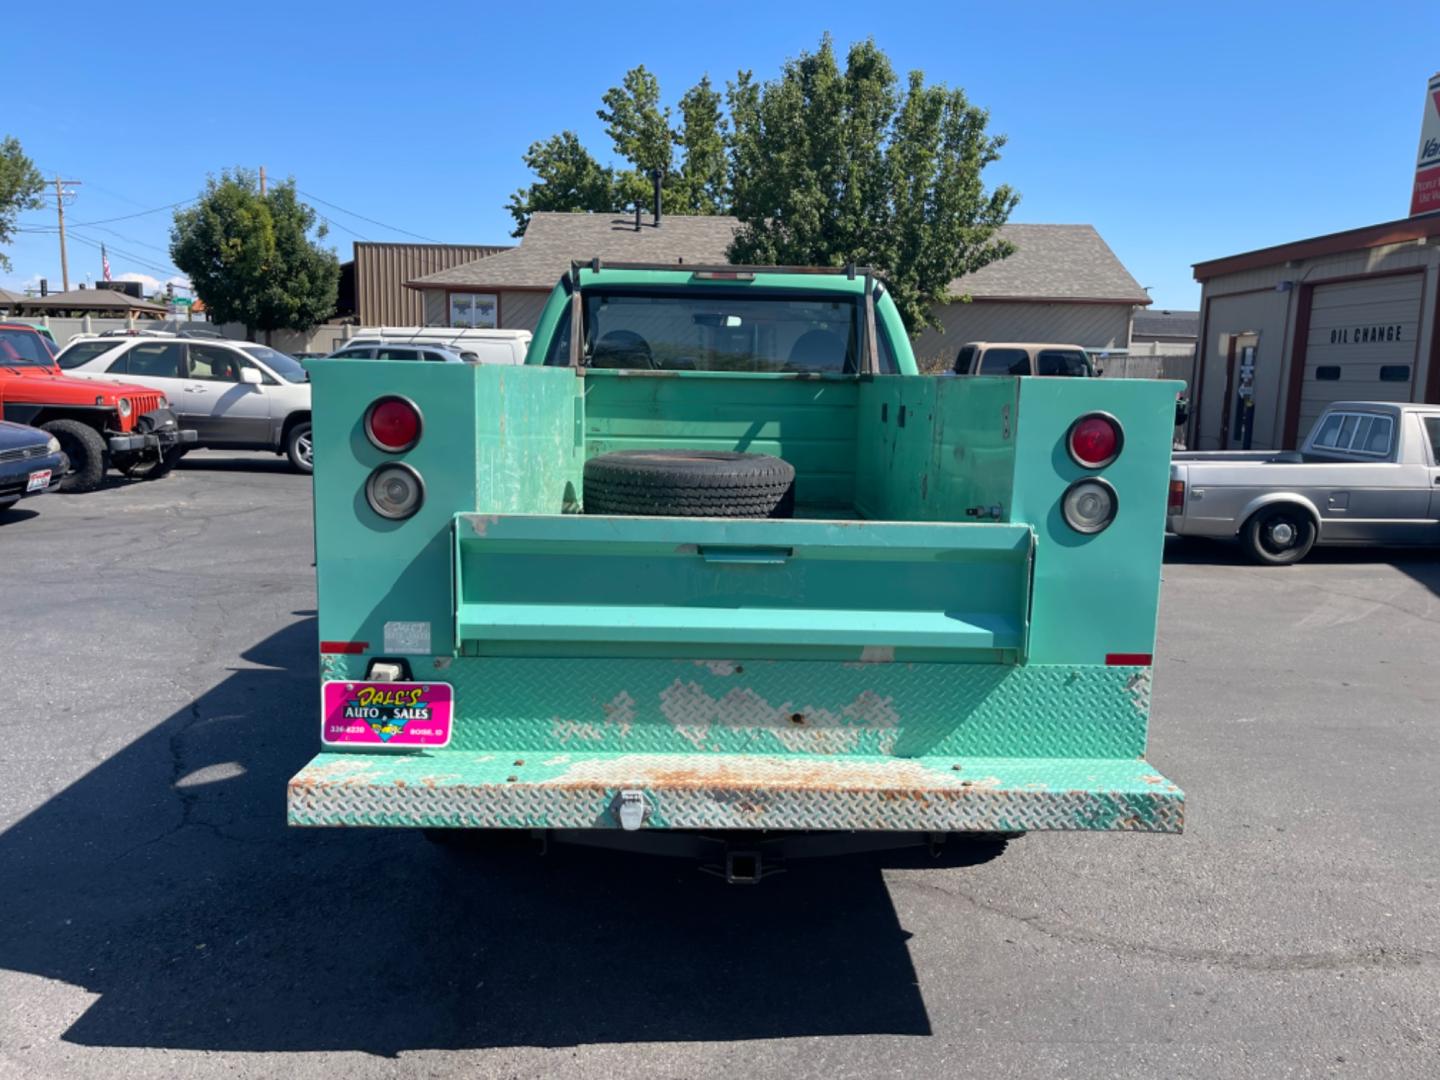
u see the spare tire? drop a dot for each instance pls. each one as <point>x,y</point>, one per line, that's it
<point>689,483</point>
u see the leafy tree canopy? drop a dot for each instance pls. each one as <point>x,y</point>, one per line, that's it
<point>20,187</point>
<point>822,165</point>
<point>250,256</point>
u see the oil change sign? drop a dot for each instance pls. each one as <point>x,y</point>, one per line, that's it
<point>386,713</point>
<point>1425,196</point>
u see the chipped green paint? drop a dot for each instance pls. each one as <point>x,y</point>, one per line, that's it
<point>923,647</point>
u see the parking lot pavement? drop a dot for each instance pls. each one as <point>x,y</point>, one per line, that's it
<point>161,920</point>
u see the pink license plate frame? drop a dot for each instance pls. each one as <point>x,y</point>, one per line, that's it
<point>379,715</point>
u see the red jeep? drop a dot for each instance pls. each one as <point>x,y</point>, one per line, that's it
<point>98,424</point>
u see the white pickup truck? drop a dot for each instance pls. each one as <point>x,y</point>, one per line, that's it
<point>1368,473</point>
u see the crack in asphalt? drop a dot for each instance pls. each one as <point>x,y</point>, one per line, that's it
<point>1370,956</point>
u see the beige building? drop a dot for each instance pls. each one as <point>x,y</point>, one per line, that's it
<point>1062,283</point>
<point>1285,330</point>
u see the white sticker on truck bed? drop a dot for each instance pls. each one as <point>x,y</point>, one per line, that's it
<point>411,638</point>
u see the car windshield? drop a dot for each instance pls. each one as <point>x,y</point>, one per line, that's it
<point>23,348</point>
<point>287,367</point>
<point>77,354</point>
<point>721,331</point>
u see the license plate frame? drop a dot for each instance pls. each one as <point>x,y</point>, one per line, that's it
<point>39,480</point>
<point>378,715</point>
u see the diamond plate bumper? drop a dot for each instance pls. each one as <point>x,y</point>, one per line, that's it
<point>734,791</point>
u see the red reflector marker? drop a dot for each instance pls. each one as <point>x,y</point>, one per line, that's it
<point>393,424</point>
<point>1129,659</point>
<point>1176,503</point>
<point>1095,440</point>
<point>344,648</point>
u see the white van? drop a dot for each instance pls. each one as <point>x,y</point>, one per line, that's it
<point>474,345</point>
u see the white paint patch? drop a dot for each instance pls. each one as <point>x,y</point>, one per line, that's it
<point>619,717</point>
<point>211,774</point>
<point>719,667</point>
<point>407,638</point>
<point>803,729</point>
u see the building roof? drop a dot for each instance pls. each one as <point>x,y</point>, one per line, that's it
<point>1368,236</point>
<point>111,300</point>
<point>7,297</point>
<point>1053,262</point>
<point>552,240</point>
<point>1166,324</point>
<point>1050,262</point>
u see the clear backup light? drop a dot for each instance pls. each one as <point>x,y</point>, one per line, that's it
<point>395,491</point>
<point>1095,440</point>
<point>1089,505</point>
<point>393,424</point>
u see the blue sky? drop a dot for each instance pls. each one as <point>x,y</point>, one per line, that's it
<point>1182,132</point>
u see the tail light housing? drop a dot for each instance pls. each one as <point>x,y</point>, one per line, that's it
<point>393,424</point>
<point>1089,505</point>
<point>395,491</point>
<point>1175,504</point>
<point>1095,440</point>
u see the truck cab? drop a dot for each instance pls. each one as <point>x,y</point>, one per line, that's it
<point>716,564</point>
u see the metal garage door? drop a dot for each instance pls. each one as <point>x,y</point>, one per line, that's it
<point>1361,345</point>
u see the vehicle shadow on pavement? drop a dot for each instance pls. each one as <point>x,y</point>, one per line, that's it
<point>166,882</point>
<point>252,463</point>
<point>1420,564</point>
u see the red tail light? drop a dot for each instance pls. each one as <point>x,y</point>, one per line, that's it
<point>393,424</point>
<point>1095,440</point>
<point>1176,502</point>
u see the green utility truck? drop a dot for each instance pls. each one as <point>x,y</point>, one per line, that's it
<point>717,568</point>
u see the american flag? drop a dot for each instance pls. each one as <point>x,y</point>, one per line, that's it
<point>104,263</point>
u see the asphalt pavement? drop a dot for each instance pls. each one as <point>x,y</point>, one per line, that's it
<point>160,920</point>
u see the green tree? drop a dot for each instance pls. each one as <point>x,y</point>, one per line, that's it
<point>831,166</point>
<point>20,187</point>
<point>639,130</point>
<point>567,179</point>
<point>703,184</point>
<point>250,257</point>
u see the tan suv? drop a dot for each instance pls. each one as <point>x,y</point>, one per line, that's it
<point>1022,358</point>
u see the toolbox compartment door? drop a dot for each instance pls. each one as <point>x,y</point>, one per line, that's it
<point>568,585</point>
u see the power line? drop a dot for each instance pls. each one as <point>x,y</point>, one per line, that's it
<point>372,221</point>
<point>341,225</point>
<point>127,217</point>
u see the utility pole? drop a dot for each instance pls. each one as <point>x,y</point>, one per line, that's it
<point>60,209</point>
<point>262,181</point>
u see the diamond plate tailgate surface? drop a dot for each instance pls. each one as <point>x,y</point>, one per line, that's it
<point>717,791</point>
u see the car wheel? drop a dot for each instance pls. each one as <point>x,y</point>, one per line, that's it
<point>300,448</point>
<point>1279,535</point>
<point>85,449</point>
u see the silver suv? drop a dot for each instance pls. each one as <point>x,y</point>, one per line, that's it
<point>235,394</point>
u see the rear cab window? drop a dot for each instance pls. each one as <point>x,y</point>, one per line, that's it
<point>964,360</point>
<point>1064,362</point>
<point>1004,362</point>
<point>1366,434</point>
<point>720,331</point>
